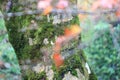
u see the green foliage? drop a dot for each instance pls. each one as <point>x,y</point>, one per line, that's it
<point>7,54</point>
<point>102,53</point>
<point>71,63</point>
<point>92,77</point>
<point>30,75</point>
<point>20,40</point>
<point>24,50</point>
<point>90,30</point>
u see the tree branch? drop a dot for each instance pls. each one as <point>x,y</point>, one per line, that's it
<point>74,12</point>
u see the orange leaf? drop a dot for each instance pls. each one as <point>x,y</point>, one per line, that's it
<point>57,47</point>
<point>118,13</point>
<point>75,29</point>
<point>58,60</point>
<point>67,32</point>
<point>47,10</point>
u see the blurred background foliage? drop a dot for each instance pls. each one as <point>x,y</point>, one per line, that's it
<point>9,66</point>
<point>103,53</point>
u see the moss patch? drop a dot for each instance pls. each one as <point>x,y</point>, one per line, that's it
<point>30,75</point>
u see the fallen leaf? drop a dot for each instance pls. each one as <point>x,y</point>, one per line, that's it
<point>67,32</point>
<point>58,60</point>
<point>47,10</point>
<point>75,30</point>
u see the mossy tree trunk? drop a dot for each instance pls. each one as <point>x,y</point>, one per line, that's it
<point>22,29</point>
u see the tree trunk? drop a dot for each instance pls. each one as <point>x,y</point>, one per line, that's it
<point>27,35</point>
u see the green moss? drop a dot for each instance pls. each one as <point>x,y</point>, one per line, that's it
<point>92,76</point>
<point>71,63</point>
<point>45,29</point>
<point>30,75</point>
<point>17,39</point>
<point>24,50</point>
<point>20,40</point>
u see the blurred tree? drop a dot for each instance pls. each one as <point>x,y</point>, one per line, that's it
<point>9,67</point>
